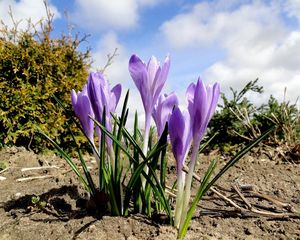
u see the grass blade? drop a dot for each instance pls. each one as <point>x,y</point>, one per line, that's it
<point>67,158</point>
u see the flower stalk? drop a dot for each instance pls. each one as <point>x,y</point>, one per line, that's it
<point>202,103</point>
<point>149,79</point>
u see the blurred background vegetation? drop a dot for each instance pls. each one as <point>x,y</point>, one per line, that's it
<point>33,67</point>
<point>239,121</point>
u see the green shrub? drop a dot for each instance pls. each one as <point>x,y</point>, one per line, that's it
<point>285,115</point>
<point>233,120</point>
<point>238,121</point>
<point>33,67</point>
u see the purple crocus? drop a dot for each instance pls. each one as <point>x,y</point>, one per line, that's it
<point>83,110</point>
<point>149,80</point>
<point>102,97</point>
<point>181,138</point>
<point>202,102</point>
<point>163,109</point>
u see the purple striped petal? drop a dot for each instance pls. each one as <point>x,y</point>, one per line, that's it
<point>202,102</point>
<point>180,136</point>
<point>163,109</point>
<point>149,79</point>
<point>102,97</point>
<point>83,110</point>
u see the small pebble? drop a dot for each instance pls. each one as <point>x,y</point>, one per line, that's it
<point>18,194</point>
<point>2,178</point>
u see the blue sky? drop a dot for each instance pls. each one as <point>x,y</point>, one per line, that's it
<point>228,41</point>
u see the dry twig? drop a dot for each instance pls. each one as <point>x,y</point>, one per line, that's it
<point>33,178</point>
<point>38,168</point>
<point>244,192</point>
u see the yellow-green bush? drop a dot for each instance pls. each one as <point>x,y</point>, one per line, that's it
<point>33,67</point>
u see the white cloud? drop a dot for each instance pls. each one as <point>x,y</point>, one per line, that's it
<point>292,7</point>
<point>209,23</point>
<point>103,14</point>
<point>112,14</point>
<point>118,72</point>
<point>23,10</point>
<point>255,38</point>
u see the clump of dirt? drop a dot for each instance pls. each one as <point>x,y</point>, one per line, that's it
<point>41,198</point>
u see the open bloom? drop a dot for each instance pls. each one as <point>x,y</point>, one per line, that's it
<point>102,97</point>
<point>83,110</point>
<point>202,102</point>
<point>149,80</point>
<point>163,109</point>
<point>180,136</point>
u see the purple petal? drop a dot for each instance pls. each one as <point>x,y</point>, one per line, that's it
<point>83,109</point>
<point>73,97</point>
<point>138,71</point>
<point>180,136</point>
<point>152,69</point>
<point>190,92</point>
<point>102,97</point>
<point>176,129</point>
<point>202,102</point>
<point>115,95</point>
<point>163,110</point>
<point>94,92</point>
<point>214,100</point>
<point>149,80</point>
<point>161,78</point>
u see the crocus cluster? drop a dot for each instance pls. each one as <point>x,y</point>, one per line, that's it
<point>91,102</point>
<point>186,128</point>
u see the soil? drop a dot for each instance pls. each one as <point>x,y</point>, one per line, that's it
<point>59,213</point>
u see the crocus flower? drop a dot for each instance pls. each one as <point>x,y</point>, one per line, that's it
<point>202,102</point>
<point>149,80</point>
<point>163,109</point>
<point>83,110</point>
<point>102,97</point>
<point>181,138</point>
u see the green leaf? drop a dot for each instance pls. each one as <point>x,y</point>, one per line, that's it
<point>201,191</point>
<point>67,158</point>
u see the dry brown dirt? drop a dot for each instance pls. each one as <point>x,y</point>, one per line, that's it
<point>63,217</point>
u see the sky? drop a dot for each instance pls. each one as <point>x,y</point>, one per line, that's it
<point>227,41</point>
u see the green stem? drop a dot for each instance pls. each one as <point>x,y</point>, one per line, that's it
<point>179,198</point>
<point>145,145</point>
<point>112,159</point>
<point>188,182</point>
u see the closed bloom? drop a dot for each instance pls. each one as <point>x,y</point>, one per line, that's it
<point>149,79</point>
<point>83,110</point>
<point>163,109</point>
<point>180,136</point>
<point>101,97</point>
<point>202,103</point>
